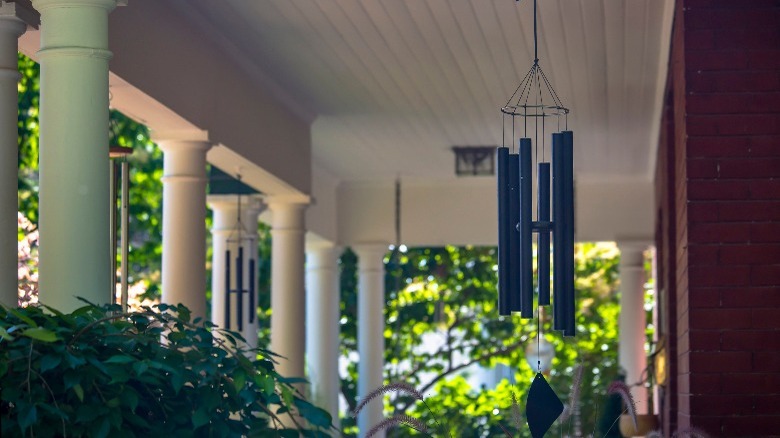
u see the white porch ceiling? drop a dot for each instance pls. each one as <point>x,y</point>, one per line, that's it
<point>393,84</point>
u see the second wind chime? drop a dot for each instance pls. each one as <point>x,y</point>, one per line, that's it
<point>532,111</point>
<point>238,237</point>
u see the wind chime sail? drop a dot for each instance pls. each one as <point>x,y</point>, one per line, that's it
<point>533,109</point>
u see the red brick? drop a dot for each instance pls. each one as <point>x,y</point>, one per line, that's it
<point>765,146</point>
<point>764,103</point>
<point>749,297</point>
<point>718,275</point>
<point>703,211</point>
<point>750,340</point>
<point>765,189</point>
<point>720,362</point>
<point>765,232</point>
<point>735,83</point>
<point>700,39</point>
<point>766,404</point>
<point>716,60</point>
<point>766,361</point>
<point>718,146</point>
<point>765,275</point>
<point>748,211</point>
<point>749,168</point>
<point>718,190</point>
<point>703,255</point>
<point>708,232</point>
<point>702,169</point>
<point>764,59</point>
<point>712,103</point>
<point>768,317</point>
<point>750,383</point>
<point>714,404</point>
<point>704,340</point>
<point>708,18</point>
<point>749,254</point>
<point>703,319</point>
<point>751,425</point>
<point>704,383</point>
<point>747,39</point>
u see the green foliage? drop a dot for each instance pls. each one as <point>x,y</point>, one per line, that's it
<point>446,298</point>
<point>97,372</point>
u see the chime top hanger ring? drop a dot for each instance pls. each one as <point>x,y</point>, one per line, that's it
<point>532,111</point>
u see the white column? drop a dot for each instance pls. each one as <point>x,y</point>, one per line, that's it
<point>288,296</point>
<point>224,236</point>
<point>322,326</point>
<point>11,28</point>
<point>184,220</point>
<point>74,199</point>
<point>632,322</point>
<point>370,330</point>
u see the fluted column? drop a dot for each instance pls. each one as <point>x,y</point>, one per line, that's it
<point>225,236</point>
<point>288,296</point>
<point>632,321</point>
<point>74,198</point>
<point>322,326</point>
<point>370,330</point>
<point>184,220</point>
<point>11,27</point>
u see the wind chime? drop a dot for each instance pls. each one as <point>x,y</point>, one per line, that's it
<point>533,110</point>
<point>241,263</point>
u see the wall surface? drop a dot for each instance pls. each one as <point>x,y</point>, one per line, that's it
<point>718,194</point>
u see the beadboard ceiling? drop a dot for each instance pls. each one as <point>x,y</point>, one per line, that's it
<point>392,85</point>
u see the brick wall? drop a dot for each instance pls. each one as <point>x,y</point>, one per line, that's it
<point>718,184</point>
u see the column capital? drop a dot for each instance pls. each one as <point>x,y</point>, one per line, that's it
<point>194,136</point>
<point>19,11</point>
<point>370,255</point>
<point>42,5</point>
<point>632,252</point>
<point>227,202</point>
<point>291,199</point>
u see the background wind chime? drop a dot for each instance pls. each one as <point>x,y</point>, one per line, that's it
<point>532,111</point>
<point>238,237</point>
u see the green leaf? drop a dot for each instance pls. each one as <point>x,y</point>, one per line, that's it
<point>313,414</point>
<point>177,380</point>
<point>140,367</point>
<point>79,391</point>
<point>28,415</point>
<point>199,418</point>
<point>239,379</point>
<point>40,334</point>
<point>49,361</point>
<point>23,317</point>
<point>5,336</point>
<point>130,398</point>
<point>120,359</point>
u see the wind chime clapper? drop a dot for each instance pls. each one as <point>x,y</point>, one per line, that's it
<point>121,168</point>
<point>533,103</point>
<point>239,290</point>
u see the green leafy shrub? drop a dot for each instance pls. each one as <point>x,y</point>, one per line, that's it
<point>98,372</point>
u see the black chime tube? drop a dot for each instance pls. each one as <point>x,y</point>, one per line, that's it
<point>240,288</point>
<point>515,304</point>
<point>543,247</point>
<point>504,230</point>
<point>227,289</point>
<point>252,291</point>
<point>526,230</point>
<point>558,231</point>
<point>568,172</point>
